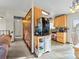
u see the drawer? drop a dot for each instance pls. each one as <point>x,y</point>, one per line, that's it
<point>61,37</point>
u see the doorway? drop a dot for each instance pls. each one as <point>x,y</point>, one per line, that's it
<point>18,29</point>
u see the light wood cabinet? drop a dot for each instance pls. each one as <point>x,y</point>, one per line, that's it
<point>42,44</point>
<point>37,15</point>
<point>27,28</point>
<point>60,21</point>
<point>36,39</point>
<point>37,44</point>
<point>61,37</point>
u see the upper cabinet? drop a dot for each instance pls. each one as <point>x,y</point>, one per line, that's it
<point>60,21</point>
<point>37,14</point>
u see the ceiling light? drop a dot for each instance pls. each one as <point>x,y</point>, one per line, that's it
<point>72,10</point>
<point>1,17</point>
<point>45,13</point>
<point>77,7</point>
<point>18,20</point>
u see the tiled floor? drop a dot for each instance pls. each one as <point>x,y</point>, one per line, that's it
<point>19,50</point>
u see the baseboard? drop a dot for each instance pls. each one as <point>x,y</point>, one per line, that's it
<point>18,37</point>
<point>68,42</point>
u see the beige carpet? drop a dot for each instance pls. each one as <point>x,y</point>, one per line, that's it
<point>19,50</point>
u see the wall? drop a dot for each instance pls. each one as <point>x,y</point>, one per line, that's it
<point>2,21</point>
<point>14,25</point>
<point>71,17</point>
<point>8,23</point>
<point>2,24</point>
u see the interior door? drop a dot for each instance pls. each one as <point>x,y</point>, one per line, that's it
<point>18,32</point>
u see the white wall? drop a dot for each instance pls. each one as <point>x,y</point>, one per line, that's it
<point>2,24</point>
<point>2,21</point>
<point>71,17</point>
<point>7,23</point>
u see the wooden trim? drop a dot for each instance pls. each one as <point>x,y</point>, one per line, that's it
<point>28,12</point>
<point>60,15</point>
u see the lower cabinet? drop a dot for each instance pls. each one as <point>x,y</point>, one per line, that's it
<point>61,37</point>
<point>42,44</point>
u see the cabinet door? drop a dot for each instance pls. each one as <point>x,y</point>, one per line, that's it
<point>37,14</point>
<point>36,42</point>
<point>63,22</point>
<point>61,37</point>
<point>60,21</point>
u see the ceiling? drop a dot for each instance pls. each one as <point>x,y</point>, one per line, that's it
<point>21,5</point>
<point>55,7</point>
